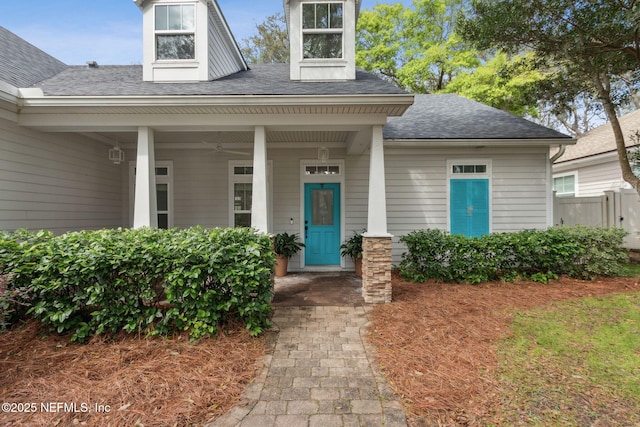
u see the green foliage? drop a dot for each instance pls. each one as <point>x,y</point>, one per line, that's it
<point>509,84</point>
<point>20,254</point>
<point>286,245</point>
<point>146,280</point>
<point>270,45</point>
<point>352,247</point>
<point>414,47</point>
<point>588,41</point>
<point>580,252</point>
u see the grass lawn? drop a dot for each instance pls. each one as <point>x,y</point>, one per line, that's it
<point>503,354</point>
<point>574,363</point>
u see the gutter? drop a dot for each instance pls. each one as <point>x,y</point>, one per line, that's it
<point>558,154</point>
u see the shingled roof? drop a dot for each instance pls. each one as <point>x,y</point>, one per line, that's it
<point>264,79</point>
<point>601,140</point>
<point>451,116</point>
<point>22,64</point>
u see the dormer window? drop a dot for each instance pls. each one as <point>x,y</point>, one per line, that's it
<point>175,31</point>
<point>322,30</point>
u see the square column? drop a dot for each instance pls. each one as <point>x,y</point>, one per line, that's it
<point>376,242</point>
<point>376,270</point>
<point>259,206</point>
<point>145,211</point>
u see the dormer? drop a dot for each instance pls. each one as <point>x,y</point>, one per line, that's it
<point>322,37</point>
<point>187,41</point>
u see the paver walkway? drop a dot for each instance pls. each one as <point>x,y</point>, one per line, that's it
<point>319,374</point>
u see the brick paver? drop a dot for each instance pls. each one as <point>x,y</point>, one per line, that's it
<point>319,374</point>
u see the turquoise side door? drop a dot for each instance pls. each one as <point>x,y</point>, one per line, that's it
<point>469,207</point>
<point>322,224</point>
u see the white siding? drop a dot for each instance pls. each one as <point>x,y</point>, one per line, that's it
<point>222,61</point>
<point>416,189</point>
<point>595,179</point>
<point>58,182</point>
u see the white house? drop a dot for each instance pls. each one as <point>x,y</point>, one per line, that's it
<point>195,136</point>
<point>591,167</point>
<point>588,181</point>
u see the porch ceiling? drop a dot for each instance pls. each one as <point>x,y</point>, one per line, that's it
<point>204,140</point>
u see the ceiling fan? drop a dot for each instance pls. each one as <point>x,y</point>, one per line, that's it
<point>218,148</point>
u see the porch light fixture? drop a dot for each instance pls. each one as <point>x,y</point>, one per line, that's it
<point>323,154</point>
<point>116,155</point>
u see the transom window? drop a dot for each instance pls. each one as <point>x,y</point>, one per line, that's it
<point>468,169</point>
<point>322,30</point>
<point>322,170</point>
<point>175,31</point>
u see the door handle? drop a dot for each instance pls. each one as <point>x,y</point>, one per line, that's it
<point>306,232</point>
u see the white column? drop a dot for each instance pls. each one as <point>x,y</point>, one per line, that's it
<point>259,207</point>
<point>377,221</point>
<point>145,211</point>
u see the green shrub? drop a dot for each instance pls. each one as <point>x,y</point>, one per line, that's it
<point>20,253</point>
<point>94,282</point>
<point>580,252</point>
<point>220,274</point>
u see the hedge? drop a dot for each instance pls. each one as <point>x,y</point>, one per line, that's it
<point>147,280</point>
<point>580,252</point>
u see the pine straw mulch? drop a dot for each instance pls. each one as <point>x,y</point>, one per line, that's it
<point>145,382</point>
<point>435,343</point>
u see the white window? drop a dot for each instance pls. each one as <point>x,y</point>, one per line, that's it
<point>175,31</point>
<point>322,30</point>
<point>565,185</point>
<point>164,192</point>
<point>241,192</point>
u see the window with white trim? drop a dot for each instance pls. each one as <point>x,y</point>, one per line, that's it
<point>565,186</point>
<point>175,31</point>
<point>164,192</point>
<point>322,30</point>
<point>241,192</point>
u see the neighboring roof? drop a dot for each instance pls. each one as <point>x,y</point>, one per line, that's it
<point>22,64</point>
<point>601,140</point>
<point>450,116</point>
<point>264,79</point>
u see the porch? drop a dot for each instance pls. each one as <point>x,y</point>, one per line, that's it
<point>282,181</point>
<point>318,289</point>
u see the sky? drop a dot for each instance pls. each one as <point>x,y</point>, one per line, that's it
<point>110,31</point>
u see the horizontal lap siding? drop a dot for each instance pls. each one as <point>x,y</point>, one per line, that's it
<point>58,182</point>
<point>596,179</point>
<point>416,182</point>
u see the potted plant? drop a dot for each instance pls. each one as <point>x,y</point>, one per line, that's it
<point>353,249</point>
<point>285,246</point>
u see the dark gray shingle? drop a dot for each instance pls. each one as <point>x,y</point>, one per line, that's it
<point>454,117</point>
<point>22,64</point>
<point>266,79</point>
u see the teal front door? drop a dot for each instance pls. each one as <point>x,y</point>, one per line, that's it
<point>322,224</point>
<point>469,207</point>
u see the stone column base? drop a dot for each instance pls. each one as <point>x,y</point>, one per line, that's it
<point>376,269</point>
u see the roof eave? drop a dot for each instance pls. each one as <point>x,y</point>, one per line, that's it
<point>476,142</point>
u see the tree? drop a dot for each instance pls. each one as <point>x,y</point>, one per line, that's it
<point>510,84</point>
<point>595,41</point>
<point>270,45</point>
<point>417,47</point>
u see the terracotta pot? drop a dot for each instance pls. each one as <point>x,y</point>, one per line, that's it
<point>358,263</point>
<point>282,264</point>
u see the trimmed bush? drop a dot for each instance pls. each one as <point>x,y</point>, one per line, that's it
<point>580,252</point>
<point>20,253</point>
<point>147,280</point>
